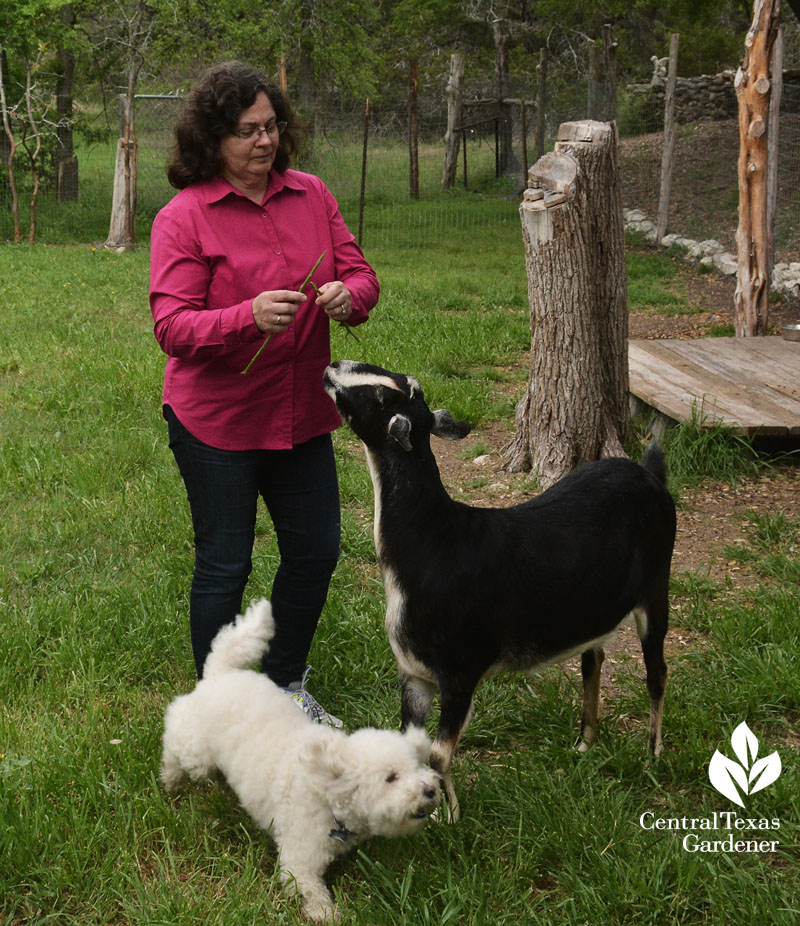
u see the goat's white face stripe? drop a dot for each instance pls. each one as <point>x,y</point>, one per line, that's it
<point>351,379</point>
<point>344,379</point>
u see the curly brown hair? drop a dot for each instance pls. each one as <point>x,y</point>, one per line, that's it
<point>212,110</point>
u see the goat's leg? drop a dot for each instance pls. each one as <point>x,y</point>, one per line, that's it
<point>591,663</point>
<point>417,697</point>
<point>455,713</point>
<point>652,627</point>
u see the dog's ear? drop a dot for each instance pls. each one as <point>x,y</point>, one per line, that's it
<point>446,427</point>
<point>326,763</point>
<point>418,739</point>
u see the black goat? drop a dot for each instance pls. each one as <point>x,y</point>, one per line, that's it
<point>471,592</point>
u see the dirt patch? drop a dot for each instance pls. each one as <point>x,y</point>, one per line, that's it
<point>713,294</point>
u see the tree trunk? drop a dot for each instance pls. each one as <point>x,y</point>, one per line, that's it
<point>67,171</point>
<point>507,161</point>
<point>751,300</point>
<point>33,153</point>
<point>593,103</point>
<point>307,98</point>
<point>122,228</point>
<point>452,138</point>
<point>610,68</point>
<point>9,149</point>
<point>575,407</point>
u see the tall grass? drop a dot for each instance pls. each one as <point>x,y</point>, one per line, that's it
<point>95,558</point>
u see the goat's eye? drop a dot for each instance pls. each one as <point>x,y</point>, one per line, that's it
<point>392,776</point>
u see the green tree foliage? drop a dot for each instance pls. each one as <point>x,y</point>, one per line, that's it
<point>712,31</point>
<point>327,45</point>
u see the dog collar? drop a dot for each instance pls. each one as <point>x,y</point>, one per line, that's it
<point>340,832</point>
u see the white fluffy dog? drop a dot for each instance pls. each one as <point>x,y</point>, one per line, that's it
<point>316,790</point>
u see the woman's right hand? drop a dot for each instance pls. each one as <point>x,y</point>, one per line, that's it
<point>274,311</point>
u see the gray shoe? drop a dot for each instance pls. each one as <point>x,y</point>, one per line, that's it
<point>309,704</point>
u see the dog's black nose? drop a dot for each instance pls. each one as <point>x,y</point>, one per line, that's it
<point>429,791</point>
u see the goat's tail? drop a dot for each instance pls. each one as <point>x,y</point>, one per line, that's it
<point>240,644</point>
<point>653,461</point>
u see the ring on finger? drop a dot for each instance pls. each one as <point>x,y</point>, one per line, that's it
<point>344,309</point>
<point>277,320</point>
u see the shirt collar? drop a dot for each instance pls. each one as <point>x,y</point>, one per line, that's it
<point>218,188</point>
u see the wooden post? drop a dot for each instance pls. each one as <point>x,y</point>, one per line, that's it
<point>610,68</point>
<point>773,136</point>
<point>362,197</point>
<point>575,407</point>
<point>523,125</point>
<point>753,86</point>
<point>541,102</point>
<point>454,108</point>
<point>669,140</point>
<point>413,135</point>
<point>282,72</point>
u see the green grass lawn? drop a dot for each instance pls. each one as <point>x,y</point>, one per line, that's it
<point>95,560</point>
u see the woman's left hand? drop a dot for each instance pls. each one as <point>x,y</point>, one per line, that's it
<point>335,300</point>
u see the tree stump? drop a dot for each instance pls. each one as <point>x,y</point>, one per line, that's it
<point>575,407</point>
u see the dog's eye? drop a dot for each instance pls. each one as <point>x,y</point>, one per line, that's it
<point>392,776</point>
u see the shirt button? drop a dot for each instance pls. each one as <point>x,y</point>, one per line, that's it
<point>277,252</point>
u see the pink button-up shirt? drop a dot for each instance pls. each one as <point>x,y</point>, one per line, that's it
<point>212,252</point>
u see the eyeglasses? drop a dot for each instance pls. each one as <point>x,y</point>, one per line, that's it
<point>254,131</point>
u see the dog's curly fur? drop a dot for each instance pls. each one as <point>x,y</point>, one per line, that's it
<point>316,790</point>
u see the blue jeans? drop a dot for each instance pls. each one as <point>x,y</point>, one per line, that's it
<point>301,492</point>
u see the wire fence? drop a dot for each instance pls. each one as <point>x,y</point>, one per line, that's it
<point>704,193</point>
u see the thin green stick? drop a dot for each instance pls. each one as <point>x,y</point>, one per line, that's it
<point>347,328</point>
<point>269,336</point>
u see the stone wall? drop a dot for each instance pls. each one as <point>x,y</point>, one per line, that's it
<point>709,97</point>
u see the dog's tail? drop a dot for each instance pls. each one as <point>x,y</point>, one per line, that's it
<point>653,461</point>
<point>240,644</point>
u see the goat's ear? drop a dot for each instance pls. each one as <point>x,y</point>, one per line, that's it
<point>400,430</point>
<point>445,427</point>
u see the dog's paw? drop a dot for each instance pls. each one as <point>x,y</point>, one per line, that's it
<point>319,911</point>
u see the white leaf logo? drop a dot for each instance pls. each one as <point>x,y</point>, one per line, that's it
<point>748,775</point>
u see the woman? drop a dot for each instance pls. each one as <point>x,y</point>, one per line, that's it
<point>228,254</point>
